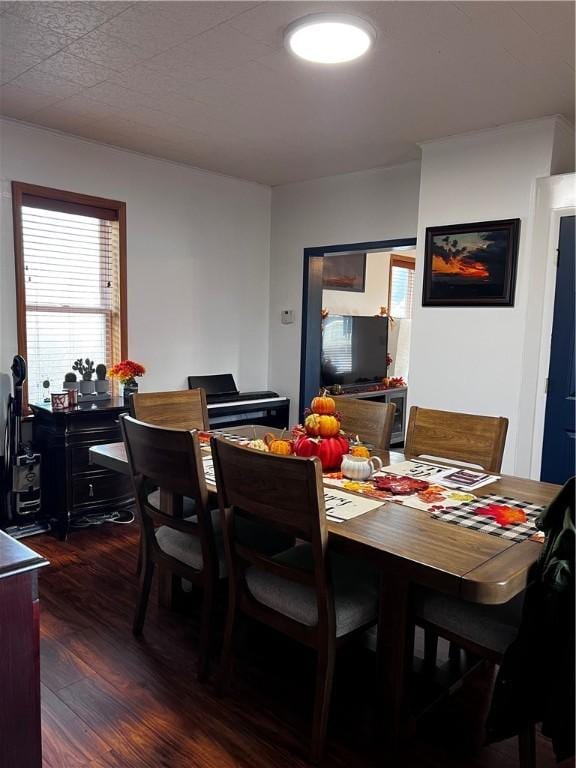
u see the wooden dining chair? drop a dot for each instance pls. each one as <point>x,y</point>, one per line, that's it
<point>371,421</point>
<point>460,437</point>
<point>187,547</point>
<point>182,409</point>
<point>486,631</point>
<point>305,592</point>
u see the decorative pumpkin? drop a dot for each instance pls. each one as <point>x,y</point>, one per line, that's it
<point>360,450</point>
<point>281,446</point>
<point>257,445</point>
<point>330,452</point>
<point>323,404</point>
<point>321,425</point>
<point>306,446</point>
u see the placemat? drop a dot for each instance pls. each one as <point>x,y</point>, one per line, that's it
<point>467,515</point>
<point>447,498</point>
<point>209,473</point>
<point>340,506</point>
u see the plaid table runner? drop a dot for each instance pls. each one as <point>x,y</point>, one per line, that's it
<point>467,515</point>
<point>204,437</point>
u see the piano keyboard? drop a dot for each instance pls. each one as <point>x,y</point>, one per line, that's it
<point>249,403</point>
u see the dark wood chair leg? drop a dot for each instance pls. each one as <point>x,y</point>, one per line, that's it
<point>168,587</point>
<point>324,679</point>
<point>140,555</point>
<point>430,650</point>
<point>527,747</point>
<point>454,656</point>
<point>228,649</point>
<point>145,587</point>
<point>205,631</point>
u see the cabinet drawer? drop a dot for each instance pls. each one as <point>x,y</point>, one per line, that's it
<point>93,422</point>
<point>79,455</point>
<point>106,488</point>
<point>110,434</point>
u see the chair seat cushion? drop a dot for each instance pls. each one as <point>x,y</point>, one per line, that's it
<point>491,626</point>
<point>355,590</point>
<point>188,509</point>
<point>186,547</point>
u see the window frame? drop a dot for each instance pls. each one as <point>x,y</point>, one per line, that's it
<point>70,202</point>
<point>397,260</point>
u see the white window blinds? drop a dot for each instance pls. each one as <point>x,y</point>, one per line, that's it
<point>401,287</point>
<point>71,274</point>
<point>337,344</point>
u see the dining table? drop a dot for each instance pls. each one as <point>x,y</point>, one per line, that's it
<point>410,548</point>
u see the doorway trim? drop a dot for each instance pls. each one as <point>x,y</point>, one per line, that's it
<point>549,291</point>
<point>312,305</point>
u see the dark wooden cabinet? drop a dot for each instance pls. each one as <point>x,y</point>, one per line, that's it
<point>20,731</point>
<point>71,486</point>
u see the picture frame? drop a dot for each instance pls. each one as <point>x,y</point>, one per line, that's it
<point>471,265</point>
<point>344,272</point>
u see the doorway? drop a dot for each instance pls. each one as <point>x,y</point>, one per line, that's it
<point>558,453</point>
<point>314,296</point>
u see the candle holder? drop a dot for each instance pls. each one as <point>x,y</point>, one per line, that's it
<point>59,401</point>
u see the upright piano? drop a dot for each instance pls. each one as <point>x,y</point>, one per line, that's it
<point>228,407</point>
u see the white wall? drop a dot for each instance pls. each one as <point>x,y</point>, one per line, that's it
<point>198,255</point>
<point>474,359</point>
<point>372,205</point>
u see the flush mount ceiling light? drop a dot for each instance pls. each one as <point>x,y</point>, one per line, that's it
<point>329,38</point>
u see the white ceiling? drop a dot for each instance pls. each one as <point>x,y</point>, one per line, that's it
<point>210,84</point>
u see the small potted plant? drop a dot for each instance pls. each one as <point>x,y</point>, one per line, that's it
<point>102,384</point>
<point>86,369</point>
<point>70,381</point>
<point>126,372</point>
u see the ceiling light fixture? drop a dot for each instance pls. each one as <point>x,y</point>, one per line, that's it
<point>329,38</point>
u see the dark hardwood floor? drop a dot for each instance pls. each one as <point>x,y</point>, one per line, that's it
<point>111,701</point>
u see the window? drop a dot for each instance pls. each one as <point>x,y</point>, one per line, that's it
<point>401,287</point>
<point>70,281</point>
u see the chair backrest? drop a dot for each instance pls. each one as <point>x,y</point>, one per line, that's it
<point>284,494</point>
<point>216,384</point>
<point>183,409</point>
<point>461,437</point>
<point>171,460</point>
<point>372,422</point>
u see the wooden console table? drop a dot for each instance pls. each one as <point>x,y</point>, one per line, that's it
<point>20,731</point>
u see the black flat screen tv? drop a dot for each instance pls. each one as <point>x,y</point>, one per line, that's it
<point>354,350</point>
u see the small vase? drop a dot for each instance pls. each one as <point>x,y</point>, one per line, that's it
<point>130,388</point>
<point>102,386</point>
<point>86,386</point>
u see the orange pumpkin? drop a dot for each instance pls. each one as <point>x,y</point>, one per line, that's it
<point>281,447</point>
<point>323,404</point>
<point>278,445</point>
<point>360,450</point>
<point>321,425</point>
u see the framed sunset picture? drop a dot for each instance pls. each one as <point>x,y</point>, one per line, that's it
<point>344,271</point>
<point>471,265</point>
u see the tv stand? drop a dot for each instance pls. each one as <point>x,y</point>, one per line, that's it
<point>396,395</point>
